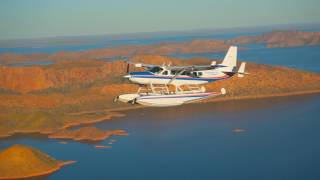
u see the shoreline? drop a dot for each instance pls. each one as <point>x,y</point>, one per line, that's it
<point>50,171</point>
<point>115,112</point>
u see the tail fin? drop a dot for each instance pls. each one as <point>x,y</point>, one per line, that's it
<point>230,60</point>
<point>241,71</point>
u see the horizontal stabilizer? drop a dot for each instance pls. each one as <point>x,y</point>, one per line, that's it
<point>241,71</point>
<point>217,66</point>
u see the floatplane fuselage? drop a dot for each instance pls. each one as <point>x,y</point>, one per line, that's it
<point>155,81</point>
<point>188,75</point>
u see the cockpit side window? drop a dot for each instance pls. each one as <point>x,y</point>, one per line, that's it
<point>165,72</point>
<point>156,69</point>
<point>186,73</point>
<point>194,74</point>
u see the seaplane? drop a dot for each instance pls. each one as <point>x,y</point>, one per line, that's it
<point>155,83</point>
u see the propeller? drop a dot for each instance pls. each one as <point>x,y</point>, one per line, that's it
<point>128,68</point>
<point>174,77</point>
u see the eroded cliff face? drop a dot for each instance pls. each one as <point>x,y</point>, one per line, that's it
<point>27,79</point>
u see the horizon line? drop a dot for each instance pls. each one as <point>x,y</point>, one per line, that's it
<point>166,32</point>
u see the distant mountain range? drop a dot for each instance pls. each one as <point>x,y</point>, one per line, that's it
<point>271,39</point>
<point>93,39</point>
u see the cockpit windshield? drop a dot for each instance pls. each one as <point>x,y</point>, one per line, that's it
<point>156,69</point>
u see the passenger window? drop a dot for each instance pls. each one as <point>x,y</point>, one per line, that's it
<point>173,72</point>
<point>165,73</point>
<point>199,73</point>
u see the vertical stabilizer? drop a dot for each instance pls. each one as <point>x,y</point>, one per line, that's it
<point>230,60</point>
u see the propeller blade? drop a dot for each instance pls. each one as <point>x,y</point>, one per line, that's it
<point>128,68</point>
<point>174,77</point>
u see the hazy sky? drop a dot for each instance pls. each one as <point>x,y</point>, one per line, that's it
<point>41,18</point>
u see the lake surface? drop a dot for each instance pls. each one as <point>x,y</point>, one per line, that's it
<point>197,142</point>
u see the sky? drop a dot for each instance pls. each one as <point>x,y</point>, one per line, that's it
<point>50,18</point>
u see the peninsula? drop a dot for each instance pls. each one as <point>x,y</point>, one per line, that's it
<point>87,134</point>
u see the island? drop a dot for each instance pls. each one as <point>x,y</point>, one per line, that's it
<point>87,134</point>
<point>21,161</point>
<point>102,147</point>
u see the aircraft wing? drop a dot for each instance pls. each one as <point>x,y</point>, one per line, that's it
<point>193,68</point>
<point>141,65</point>
<point>178,68</point>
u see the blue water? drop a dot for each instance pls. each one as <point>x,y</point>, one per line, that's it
<point>303,58</point>
<point>197,142</point>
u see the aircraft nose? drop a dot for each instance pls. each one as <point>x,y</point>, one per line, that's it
<point>127,76</point>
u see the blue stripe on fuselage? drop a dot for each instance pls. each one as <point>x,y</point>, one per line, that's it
<point>141,73</point>
<point>178,78</point>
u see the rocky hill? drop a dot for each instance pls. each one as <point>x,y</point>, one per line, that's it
<point>280,39</point>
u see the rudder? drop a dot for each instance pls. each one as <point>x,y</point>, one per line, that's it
<point>230,60</point>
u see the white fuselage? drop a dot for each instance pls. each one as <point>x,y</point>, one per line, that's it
<point>162,100</point>
<point>166,77</point>
<point>172,99</point>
